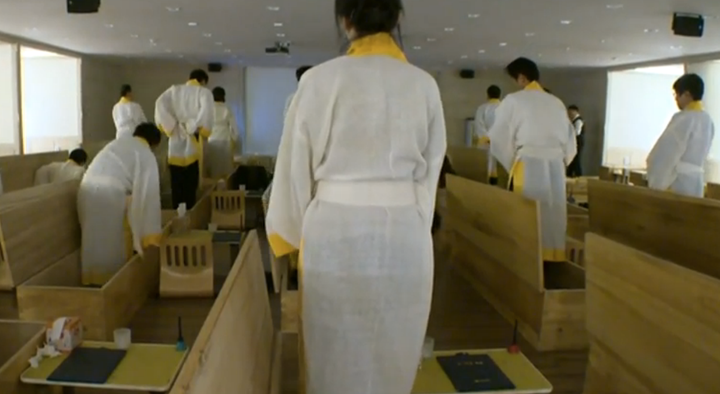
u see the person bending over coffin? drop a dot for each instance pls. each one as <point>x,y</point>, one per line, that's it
<point>124,167</point>
<point>73,168</point>
<point>354,190</point>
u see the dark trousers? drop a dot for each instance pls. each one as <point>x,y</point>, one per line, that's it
<point>184,182</point>
<point>574,170</point>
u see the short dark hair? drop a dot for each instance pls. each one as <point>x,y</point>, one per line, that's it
<point>573,108</point>
<point>149,132</point>
<point>547,90</point>
<point>125,89</point>
<point>523,66</point>
<point>79,156</point>
<point>370,16</point>
<point>691,83</point>
<point>200,76</point>
<point>494,92</point>
<point>300,71</point>
<point>219,94</point>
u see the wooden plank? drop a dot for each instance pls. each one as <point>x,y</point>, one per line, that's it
<point>19,343</point>
<point>576,210</point>
<point>655,324</point>
<point>683,230</point>
<point>241,317</point>
<point>712,191</point>
<point>18,172</point>
<point>503,224</point>
<point>577,226</point>
<point>469,163</point>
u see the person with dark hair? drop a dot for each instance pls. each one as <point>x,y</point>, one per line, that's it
<point>677,160</point>
<point>127,114</point>
<point>574,170</point>
<point>186,114</point>
<point>222,143</point>
<point>534,140</point>
<point>298,74</point>
<point>354,191</point>
<point>72,169</point>
<point>484,119</point>
<point>126,167</point>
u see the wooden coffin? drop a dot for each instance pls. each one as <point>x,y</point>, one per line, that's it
<point>228,209</point>
<point>470,163</point>
<point>186,265</point>
<point>57,292</point>
<point>19,343</point>
<point>712,191</point>
<point>654,325</point>
<point>37,226</point>
<point>638,178</point>
<point>495,238</point>
<point>18,172</point>
<point>576,188</point>
<point>606,174</point>
<point>240,318</point>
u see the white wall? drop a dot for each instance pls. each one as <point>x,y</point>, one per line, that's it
<point>266,91</point>
<point>9,116</point>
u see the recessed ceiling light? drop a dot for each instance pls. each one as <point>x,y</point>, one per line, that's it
<point>173,9</point>
<point>676,47</point>
<point>481,51</point>
<point>565,22</point>
<point>503,44</point>
<point>603,41</point>
<point>567,48</point>
<point>168,50</point>
<point>153,43</point>
<point>449,29</point>
<point>181,56</point>
<point>109,25</point>
<point>652,30</point>
<point>539,54</point>
<point>228,50</point>
<point>614,6</point>
<point>278,24</point>
<point>134,36</point>
<point>218,43</point>
<point>417,48</point>
<point>431,39</point>
<point>630,54</point>
<point>273,8</point>
<point>529,34</point>
<point>450,62</point>
<point>464,57</point>
<point>208,35</point>
<point>281,35</point>
<point>192,24</point>
<point>473,16</point>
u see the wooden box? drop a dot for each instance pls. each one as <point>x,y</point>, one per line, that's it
<point>186,265</point>
<point>228,209</point>
<point>470,163</point>
<point>57,292</point>
<point>638,178</point>
<point>18,345</point>
<point>495,238</point>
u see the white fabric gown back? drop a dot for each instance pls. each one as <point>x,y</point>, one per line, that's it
<point>127,116</point>
<point>221,144</point>
<point>367,267</point>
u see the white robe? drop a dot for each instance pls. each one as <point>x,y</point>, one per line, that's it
<point>59,172</point>
<point>222,142</point>
<point>360,130</point>
<point>533,139</point>
<point>288,100</point>
<point>677,160</point>
<point>484,120</point>
<point>127,115</point>
<point>124,167</point>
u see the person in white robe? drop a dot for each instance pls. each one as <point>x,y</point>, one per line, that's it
<point>533,139</point>
<point>72,169</point>
<point>298,74</point>
<point>126,167</point>
<point>186,113</point>
<point>677,160</point>
<point>484,119</point>
<point>354,190</point>
<point>127,114</point>
<point>223,141</point>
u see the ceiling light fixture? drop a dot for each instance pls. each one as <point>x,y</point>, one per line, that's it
<point>481,51</point>
<point>676,47</point>
<point>218,43</point>
<point>168,50</point>
<point>173,9</point>
<point>281,35</point>
<point>529,34</point>
<point>464,57</point>
<point>567,49</point>
<point>181,56</point>
<point>278,24</point>
<point>228,50</point>
<point>192,24</point>
<point>207,35</point>
<point>603,41</point>
<point>450,62</point>
<point>417,48</point>
<point>539,54</point>
<point>431,39</point>
<point>614,6</point>
<point>134,36</point>
<point>565,22</point>
<point>473,16</point>
<point>273,8</point>
<point>503,44</point>
<point>109,25</point>
<point>449,29</point>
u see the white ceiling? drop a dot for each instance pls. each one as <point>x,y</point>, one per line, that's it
<point>436,33</point>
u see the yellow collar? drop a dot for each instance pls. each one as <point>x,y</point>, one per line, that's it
<point>534,85</point>
<point>494,101</point>
<point>71,161</point>
<point>376,44</point>
<point>143,140</point>
<point>694,106</point>
<point>193,82</point>
<point>125,100</point>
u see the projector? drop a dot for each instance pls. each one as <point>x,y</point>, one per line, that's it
<point>280,48</point>
<point>83,6</point>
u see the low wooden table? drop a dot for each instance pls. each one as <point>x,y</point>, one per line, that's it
<point>146,368</point>
<point>431,378</point>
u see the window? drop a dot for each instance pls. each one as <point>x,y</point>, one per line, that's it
<point>51,107</point>
<point>640,104</point>
<point>9,117</point>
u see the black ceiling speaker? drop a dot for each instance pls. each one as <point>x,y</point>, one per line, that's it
<point>688,25</point>
<point>214,67</point>
<point>467,74</point>
<point>83,6</point>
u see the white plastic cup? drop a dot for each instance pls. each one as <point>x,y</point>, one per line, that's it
<point>123,338</point>
<point>428,348</point>
<point>241,188</point>
<point>213,227</point>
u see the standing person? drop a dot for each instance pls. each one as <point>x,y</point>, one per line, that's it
<point>484,119</point>
<point>127,114</point>
<point>72,168</point>
<point>186,113</point>
<point>298,74</point>
<point>532,138</point>
<point>223,140</point>
<point>574,170</point>
<point>677,160</point>
<point>354,190</point>
<point>124,167</point>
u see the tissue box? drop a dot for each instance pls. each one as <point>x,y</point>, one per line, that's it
<point>65,333</point>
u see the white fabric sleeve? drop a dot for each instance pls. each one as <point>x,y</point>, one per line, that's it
<point>144,214</point>
<point>235,133</point>
<point>570,146</point>
<point>116,116</point>
<point>140,114</point>
<point>164,113</point>
<point>206,115</point>
<point>434,152</point>
<point>480,126</point>
<point>502,135</point>
<point>666,154</point>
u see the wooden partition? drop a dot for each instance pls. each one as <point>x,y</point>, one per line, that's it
<point>654,325</point>
<point>606,174</point>
<point>20,341</point>
<point>470,163</point>
<point>712,191</point>
<point>638,178</point>
<point>496,244</point>
<point>236,350</point>
<point>18,172</point>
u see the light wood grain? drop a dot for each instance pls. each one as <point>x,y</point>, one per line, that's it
<point>18,172</point>
<point>186,265</point>
<point>712,191</point>
<point>19,342</point>
<point>228,209</point>
<point>469,163</point>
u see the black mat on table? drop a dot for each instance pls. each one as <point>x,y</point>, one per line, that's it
<point>227,236</point>
<point>473,373</point>
<point>88,365</point>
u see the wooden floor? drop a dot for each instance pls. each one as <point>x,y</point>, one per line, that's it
<point>460,319</point>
